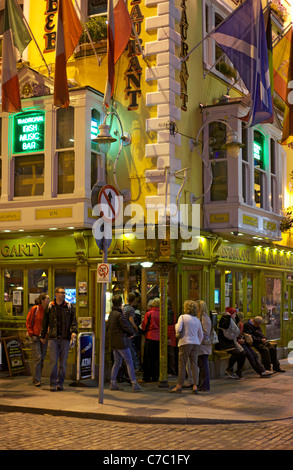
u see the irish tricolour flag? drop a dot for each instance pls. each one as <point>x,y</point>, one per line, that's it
<point>15,38</point>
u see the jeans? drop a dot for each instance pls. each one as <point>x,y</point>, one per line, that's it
<point>204,372</point>
<point>39,351</point>
<point>119,355</point>
<point>58,350</point>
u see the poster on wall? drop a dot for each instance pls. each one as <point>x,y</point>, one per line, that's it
<point>85,356</point>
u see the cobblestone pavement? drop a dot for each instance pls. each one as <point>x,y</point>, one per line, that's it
<point>24,431</point>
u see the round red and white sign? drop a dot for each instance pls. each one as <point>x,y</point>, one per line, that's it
<point>109,202</point>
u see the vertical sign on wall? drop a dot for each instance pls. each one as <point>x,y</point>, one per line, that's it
<point>85,356</point>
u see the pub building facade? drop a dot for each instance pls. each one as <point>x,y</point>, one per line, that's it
<point>50,163</point>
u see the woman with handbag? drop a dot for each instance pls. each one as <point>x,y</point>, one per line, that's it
<point>189,330</point>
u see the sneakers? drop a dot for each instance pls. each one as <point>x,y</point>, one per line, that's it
<point>114,387</point>
<point>266,373</point>
<point>136,387</point>
<point>231,373</point>
<point>239,375</point>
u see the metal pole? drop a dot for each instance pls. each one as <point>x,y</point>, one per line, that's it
<point>163,280</point>
<point>102,329</point>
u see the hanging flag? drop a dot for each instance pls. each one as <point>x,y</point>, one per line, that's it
<point>242,37</point>
<point>15,38</point>
<point>281,55</point>
<point>119,30</point>
<point>269,39</point>
<point>69,30</point>
<point>287,136</point>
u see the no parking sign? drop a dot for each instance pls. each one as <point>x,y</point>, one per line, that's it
<point>104,272</point>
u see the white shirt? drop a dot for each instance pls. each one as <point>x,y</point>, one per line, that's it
<point>192,330</point>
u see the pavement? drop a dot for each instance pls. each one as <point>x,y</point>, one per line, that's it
<point>253,399</point>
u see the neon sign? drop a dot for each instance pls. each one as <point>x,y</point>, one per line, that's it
<point>257,151</point>
<point>29,132</point>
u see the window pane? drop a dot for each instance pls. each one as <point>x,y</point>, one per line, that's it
<point>239,291</point>
<point>217,138</point>
<point>273,308</point>
<point>219,188</point>
<point>97,6</point>
<point>13,292</point>
<point>258,188</point>
<point>29,175</point>
<point>249,293</point>
<point>65,128</point>
<point>217,294</point>
<point>65,172</point>
<point>67,278</point>
<point>228,289</point>
<point>37,284</point>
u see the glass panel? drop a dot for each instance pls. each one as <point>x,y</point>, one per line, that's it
<point>217,294</point>
<point>65,172</point>
<point>193,286</point>
<point>273,307</point>
<point>239,291</point>
<point>244,183</point>
<point>219,188</point>
<point>217,138</point>
<point>67,278</point>
<point>228,289</point>
<point>258,150</point>
<point>37,284</point>
<point>13,292</point>
<point>249,293</point>
<point>244,141</point>
<point>273,156</point>
<point>258,188</point>
<point>65,128</point>
<point>0,177</point>
<point>29,175</point>
<point>97,6</point>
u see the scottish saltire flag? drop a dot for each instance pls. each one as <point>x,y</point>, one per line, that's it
<point>242,36</point>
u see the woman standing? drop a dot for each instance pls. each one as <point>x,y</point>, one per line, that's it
<point>205,348</point>
<point>33,326</point>
<point>151,329</point>
<point>191,336</point>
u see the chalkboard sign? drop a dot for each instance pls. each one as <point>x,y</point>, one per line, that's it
<point>14,355</point>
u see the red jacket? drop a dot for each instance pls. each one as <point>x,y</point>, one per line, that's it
<point>34,320</point>
<point>153,325</point>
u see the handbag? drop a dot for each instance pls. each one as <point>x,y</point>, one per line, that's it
<point>248,339</point>
<point>180,334</point>
<point>232,332</point>
<point>213,336</point>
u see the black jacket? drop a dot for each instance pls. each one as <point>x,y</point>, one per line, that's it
<point>120,329</point>
<point>49,324</point>
<point>225,343</point>
<point>255,332</point>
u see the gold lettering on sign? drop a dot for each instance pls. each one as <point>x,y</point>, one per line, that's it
<point>50,26</point>
<point>22,250</point>
<point>184,75</point>
<point>134,70</point>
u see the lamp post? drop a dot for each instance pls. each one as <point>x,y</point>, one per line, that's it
<point>104,140</point>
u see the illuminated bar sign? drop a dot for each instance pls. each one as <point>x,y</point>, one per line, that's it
<point>29,132</point>
<point>257,151</point>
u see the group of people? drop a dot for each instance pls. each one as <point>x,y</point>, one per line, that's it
<point>53,326</point>
<point>248,338</point>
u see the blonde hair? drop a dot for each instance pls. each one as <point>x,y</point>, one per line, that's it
<point>156,302</point>
<point>201,307</point>
<point>190,307</point>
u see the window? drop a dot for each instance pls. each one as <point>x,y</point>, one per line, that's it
<point>65,172</point>
<point>13,292</point>
<point>67,278</point>
<point>239,291</point>
<point>29,175</point>
<point>273,176</point>
<point>65,144</point>
<point>245,167</point>
<point>97,7</point>
<point>95,155</point>
<point>217,137</point>
<point>259,173</point>
<point>37,284</point>
<point>273,307</point>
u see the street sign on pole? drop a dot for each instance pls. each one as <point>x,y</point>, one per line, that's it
<point>104,272</point>
<point>109,202</point>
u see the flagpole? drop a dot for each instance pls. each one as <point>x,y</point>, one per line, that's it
<point>31,33</point>
<point>88,34</point>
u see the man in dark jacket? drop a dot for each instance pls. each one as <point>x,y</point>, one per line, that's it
<point>59,326</point>
<point>120,332</point>
<point>267,350</point>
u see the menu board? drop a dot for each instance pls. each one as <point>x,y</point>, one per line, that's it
<point>14,355</point>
